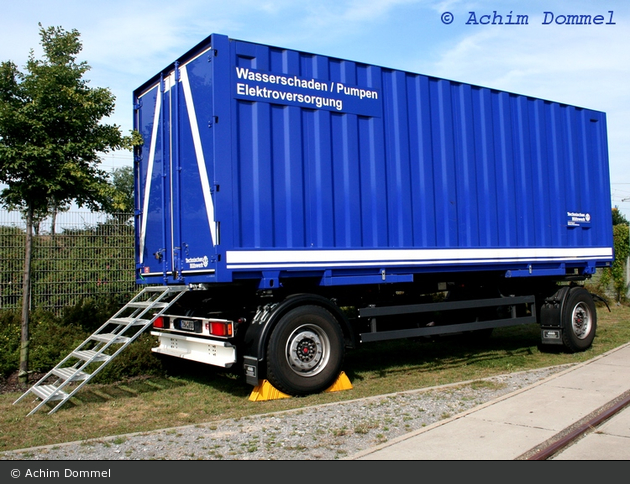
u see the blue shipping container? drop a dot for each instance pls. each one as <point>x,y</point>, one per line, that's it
<point>267,163</point>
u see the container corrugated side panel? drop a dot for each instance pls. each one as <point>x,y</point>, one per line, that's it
<point>446,165</point>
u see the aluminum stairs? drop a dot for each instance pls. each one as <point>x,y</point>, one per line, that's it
<point>80,366</point>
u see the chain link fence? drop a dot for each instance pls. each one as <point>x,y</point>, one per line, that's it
<point>76,255</point>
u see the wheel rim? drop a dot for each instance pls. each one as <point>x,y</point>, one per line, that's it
<point>581,321</point>
<point>308,350</point>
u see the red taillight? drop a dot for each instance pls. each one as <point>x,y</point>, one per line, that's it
<point>219,328</point>
<point>159,322</point>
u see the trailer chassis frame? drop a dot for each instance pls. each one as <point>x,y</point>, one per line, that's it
<point>374,312</point>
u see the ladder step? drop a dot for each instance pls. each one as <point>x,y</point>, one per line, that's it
<point>130,321</point>
<point>107,337</point>
<point>147,304</point>
<point>153,304</point>
<point>70,374</point>
<point>90,355</point>
<point>49,392</point>
<point>162,288</point>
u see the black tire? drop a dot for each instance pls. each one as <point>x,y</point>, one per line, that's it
<point>579,320</point>
<point>305,351</point>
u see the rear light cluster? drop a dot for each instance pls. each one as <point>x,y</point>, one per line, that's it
<point>221,328</point>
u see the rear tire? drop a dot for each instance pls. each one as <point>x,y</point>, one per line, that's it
<point>305,351</point>
<point>579,320</point>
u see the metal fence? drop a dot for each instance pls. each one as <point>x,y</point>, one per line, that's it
<point>76,255</point>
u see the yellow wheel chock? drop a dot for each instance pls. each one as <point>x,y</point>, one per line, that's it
<point>265,391</point>
<point>342,383</point>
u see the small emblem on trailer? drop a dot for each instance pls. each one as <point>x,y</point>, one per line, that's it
<point>197,262</point>
<point>576,219</point>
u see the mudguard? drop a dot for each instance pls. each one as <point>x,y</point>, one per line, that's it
<point>267,316</point>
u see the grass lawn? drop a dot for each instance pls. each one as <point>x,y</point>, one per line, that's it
<point>194,393</point>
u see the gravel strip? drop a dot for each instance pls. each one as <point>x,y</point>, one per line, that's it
<point>325,432</point>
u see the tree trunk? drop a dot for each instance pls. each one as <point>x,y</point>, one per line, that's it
<point>53,221</point>
<point>26,298</point>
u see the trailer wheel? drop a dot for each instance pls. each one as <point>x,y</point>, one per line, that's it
<point>305,351</point>
<point>579,321</point>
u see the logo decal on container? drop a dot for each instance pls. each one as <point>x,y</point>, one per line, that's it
<point>197,262</point>
<point>577,219</point>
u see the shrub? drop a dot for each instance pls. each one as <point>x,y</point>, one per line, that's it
<point>90,313</point>
<point>615,275</point>
<point>9,342</point>
<point>53,337</point>
<point>135,360</point>
<point>52,340</point>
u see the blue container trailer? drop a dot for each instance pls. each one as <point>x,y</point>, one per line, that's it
<point>312,203</point>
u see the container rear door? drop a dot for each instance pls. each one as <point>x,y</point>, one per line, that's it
<point>175,223</point>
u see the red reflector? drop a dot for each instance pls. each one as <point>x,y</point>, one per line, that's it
<point>218,329</point>
<point>159,322</point>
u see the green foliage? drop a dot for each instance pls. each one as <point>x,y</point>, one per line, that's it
<point>93,261</point>
<point>54,337</point>
<point>51,138</point>
<point>136,360</point>
<point>51,340</point>
<point>90,313</point>
<point>51,135</point>
<point>9,342</point>
<point>121,198</point>
<point>135,140</point>
<point>11,254</point>
<point>618,218</point>
<point>615,274</point>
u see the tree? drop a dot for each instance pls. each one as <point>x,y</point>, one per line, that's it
<point>121,201</point>
<point>618,217</point>
<point>51,136</point>
<point>615,274</point>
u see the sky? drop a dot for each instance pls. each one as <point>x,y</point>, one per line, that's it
<point>486,42</point>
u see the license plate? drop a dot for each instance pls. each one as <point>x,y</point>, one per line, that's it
<point>187,324</point>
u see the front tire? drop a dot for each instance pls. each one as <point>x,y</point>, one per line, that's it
<point>579,320</point>
<point>305,351</point>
